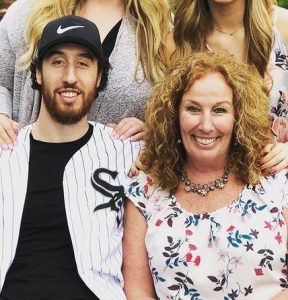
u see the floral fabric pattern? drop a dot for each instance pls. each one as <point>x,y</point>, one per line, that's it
<point>277,83</point>
<point>231,253</point>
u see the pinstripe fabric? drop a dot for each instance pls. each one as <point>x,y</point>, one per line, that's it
<point>96,236</point>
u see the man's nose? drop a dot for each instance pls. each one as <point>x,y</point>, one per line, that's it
<point>70,75</point>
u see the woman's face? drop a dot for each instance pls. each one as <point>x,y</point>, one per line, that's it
<point>227,3</point>
<point>206,119</point>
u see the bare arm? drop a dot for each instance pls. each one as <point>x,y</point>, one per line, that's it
<point>137,277</point>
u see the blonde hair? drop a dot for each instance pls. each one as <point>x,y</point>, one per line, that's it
<point>193,22</point>
<point>165,158</point>
<point>150,19</point>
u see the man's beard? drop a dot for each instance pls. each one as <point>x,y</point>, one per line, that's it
<point>66,113</point>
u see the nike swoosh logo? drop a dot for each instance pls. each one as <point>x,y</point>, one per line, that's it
<point>61,30</point>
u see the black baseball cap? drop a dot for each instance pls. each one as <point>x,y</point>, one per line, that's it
<point>71,29</point>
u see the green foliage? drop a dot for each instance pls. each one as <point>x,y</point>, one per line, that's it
<point>283,3</point>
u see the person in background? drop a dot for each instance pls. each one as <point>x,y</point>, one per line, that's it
<point>202,222</point>
<point>62,186</point>
<point>133,34</point>
<point>255,32</point>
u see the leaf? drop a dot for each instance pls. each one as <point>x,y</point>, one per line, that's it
<point>175,246</point>
<point>166,254</point>
<point>246,236</point>
<point>180,280</point>
<point>261,251</point>
<point>223,281</point>
<point>282,280</point>
<point>174,287</point>
<point>161,279</point>
<point>262,261</point>
<point>180,274</point>
<point>270,251</point>
<point>262,207</point>
<point>189,280</point>
<point>218,288</point>
<point>269,257</point>
<point>274,210</point>
<point>141,204</point>
<point>170,239</point>
<point>213,278</point>
<point>170,222</point>
<point>167,248</point>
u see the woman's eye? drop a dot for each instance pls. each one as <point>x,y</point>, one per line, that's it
<point>220,110</point>
<point>193,109</point>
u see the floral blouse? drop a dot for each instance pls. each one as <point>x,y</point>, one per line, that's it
<point>236,252</point>
<point>278,83</point>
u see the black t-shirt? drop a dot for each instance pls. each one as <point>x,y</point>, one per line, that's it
<point>44,266</point>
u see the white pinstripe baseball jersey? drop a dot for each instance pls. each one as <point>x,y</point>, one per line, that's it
<point>93,178</point>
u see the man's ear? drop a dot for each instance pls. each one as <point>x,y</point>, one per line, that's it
<point>38,76</point>
<point>99,79</point>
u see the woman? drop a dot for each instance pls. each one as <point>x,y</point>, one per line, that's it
<point>202,223</point>
<point>254,31</point>
<point>133,39</point>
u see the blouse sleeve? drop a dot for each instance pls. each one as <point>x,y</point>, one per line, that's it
<point>276,190</point>
<point>140,192</point>
<point>12,46</point>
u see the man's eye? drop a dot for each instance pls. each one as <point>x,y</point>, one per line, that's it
<point>58,62</point>
<point>83,64</point>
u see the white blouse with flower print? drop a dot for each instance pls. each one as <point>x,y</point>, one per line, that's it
<point>236,252</point>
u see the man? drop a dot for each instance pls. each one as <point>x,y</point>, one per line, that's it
<point>61,188</point>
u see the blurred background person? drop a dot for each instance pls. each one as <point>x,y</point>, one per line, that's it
<point>201,215</point>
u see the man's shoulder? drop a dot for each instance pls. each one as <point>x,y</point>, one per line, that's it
<point>19,152</point>
<point>105,141</point>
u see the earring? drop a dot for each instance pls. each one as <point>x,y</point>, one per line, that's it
<point>179,141</point>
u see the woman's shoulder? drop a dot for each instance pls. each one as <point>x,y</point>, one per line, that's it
<point>145,195</point>
<point>275,189</point>
<point>282,22</point>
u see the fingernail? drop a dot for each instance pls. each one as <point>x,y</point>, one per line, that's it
<point>4,147</point>
<point>262,168</point>
<point>113,133</point>
<point>10,146</point>
<point>122,138</point>
<point>15,143</point>
<point>273,171</point>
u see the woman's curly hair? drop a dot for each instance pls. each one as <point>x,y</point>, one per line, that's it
<point>164,157</point>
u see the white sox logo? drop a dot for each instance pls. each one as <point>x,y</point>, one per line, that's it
<point>107,189</point>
